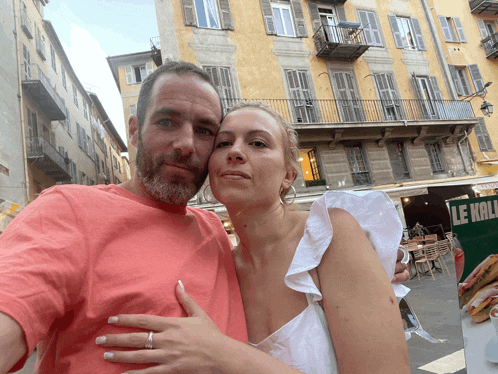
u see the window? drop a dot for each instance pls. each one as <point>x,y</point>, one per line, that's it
<point>397,156</point>
<point>482,135</point>
<point>427,90</point>
<point>388,95</point>
<point>449,25</point>
<point>283,19</point>
<point>328,20</point>
<point>27,62</point>
<point>407,33</point>
<point>463,80</point>
<point>88,144</point>
<point>459,75</point>
<point>133,109</point>
<point>370,28</point>
<point>85,109</point>
<point>347,98</point>
<point>301,98</point>
<point>310,167</point>
<point>488,34</point>
<point>358,164</point>
<point>207,14</point>
<point>63,73</point>
<point>136,74</point>
<point>75,96</point>
<point>52,53</point>
<point>223,83</point>
<point>32,124</point>
<point>435,157</point>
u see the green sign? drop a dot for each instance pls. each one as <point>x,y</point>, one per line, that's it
<point>475,221</point>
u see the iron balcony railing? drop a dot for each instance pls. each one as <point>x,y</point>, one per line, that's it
<point>40,47</point>
<point>309,111</point>
<point>39,147</point>
<point>483,7</point>
<point>340,42</point>
<point>26,24</point>
<point>155,43</point>
<point>491,45</point>
<point>32,72</point>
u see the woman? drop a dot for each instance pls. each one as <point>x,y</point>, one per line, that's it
<point>315,294</point>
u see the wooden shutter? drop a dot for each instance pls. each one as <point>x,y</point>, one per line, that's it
<point>226,15</point>
<point>129,75</point>
<point>418,34</point>
<point>396,34</point>
<point>149,68</point>
<point>383,87</point>
<point>365,24</point>
<point>477,78</point>
<point>341,13</point>
<point>78,130</point>
<point>268,17</point>
<point>482,135</point>
<point>438,95</point>
<point>482,28</point>
<point>370,28</point>
<point>189,17</point>
<point>314,15</point>
<point>456,80</point>
<point>297,11</point>
<point>459,29</point>
<point>447,32</point>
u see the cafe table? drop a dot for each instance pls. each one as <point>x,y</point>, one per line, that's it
<point>476,336</point>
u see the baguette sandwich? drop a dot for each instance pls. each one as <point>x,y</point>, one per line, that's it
<point>482,302</point>
<point>485,273</point>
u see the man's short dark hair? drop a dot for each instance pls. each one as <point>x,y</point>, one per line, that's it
<point>179,68</point>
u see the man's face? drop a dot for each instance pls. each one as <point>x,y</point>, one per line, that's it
<point>177,137</point>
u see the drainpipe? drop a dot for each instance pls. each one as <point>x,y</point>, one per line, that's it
<point>448,80</point>
<point>459,144</point>
<point>21,112</point>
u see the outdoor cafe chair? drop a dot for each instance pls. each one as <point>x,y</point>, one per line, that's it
<point>432,254</point>
<point>421,259</point>
<point>430,239</point>
<point>412,246</point>
<point>449,237</point>
<point>443,248</point>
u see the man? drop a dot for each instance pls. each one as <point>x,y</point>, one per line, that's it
<point>78,254</point>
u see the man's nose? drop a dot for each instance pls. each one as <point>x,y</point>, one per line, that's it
<point>184,142</point>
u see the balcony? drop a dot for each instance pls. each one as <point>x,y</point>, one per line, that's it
<point>484,7</point>
<point>490,45</point>
<point>38,86</point>
<point>309,111</point>
<point>333,2</point>
<point>344,42</point>
<point>26,24</point>
<point>47,159</point>
<point>40,47</point>
<point>155,47</point>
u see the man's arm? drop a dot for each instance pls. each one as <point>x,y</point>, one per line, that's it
<point>12,344</point>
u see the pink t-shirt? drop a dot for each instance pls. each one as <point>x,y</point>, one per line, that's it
<point>78,255</point>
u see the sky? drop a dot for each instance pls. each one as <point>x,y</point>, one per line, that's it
<point>91,30</point>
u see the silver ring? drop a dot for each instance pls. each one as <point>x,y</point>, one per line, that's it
<point>148,343</point>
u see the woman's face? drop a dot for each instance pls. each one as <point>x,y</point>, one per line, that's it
<point>248,164</point>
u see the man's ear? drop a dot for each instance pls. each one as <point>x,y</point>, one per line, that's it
<point>133,130</point>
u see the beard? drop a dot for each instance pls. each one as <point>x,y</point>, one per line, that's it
<point>172,189</point>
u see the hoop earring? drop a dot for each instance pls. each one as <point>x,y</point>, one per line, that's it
<point>289,202</point>
<point>204,196</point>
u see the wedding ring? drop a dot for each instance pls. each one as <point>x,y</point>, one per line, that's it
<point>148,343</point>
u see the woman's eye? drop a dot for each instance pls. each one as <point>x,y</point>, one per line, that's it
<point>258,144</point>
<point>222,144</point>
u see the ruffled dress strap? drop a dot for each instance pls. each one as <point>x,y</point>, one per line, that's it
<point>377,216</point>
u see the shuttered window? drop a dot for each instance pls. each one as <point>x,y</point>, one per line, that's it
<point>215,14</point>
<point>75,96</point>
<point>207,14</point>
<point>397,156</point>
<point>137,74</point>
<point>284,19</point>
<point>482,135</point>
<point>407,33</point>
<point>223,82</point>
<point>347,98</point>
<point>370,28</point>
<point>452,29</point>
<point>358,164</point>
<point>389,96</point>
<point>435,157</point>
<point>302,98</point>
<point>475,73</point>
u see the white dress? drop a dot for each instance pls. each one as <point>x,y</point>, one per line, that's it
<point>304,342</point>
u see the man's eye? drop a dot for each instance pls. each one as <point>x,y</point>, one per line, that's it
<point>205,131</point>
<point>164,122</point>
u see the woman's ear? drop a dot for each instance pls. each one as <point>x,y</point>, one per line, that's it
<point>289,178</point>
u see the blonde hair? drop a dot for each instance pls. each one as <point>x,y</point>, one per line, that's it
<point>291,147</point>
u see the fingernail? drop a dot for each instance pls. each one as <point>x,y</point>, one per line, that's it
<point>112,319</point>
<point>181,285</point>
<point>100,340</point>
<point>108,355</point>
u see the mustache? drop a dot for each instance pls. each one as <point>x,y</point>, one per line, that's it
<point>178,159</point>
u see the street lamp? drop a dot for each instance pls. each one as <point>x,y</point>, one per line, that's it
<point>486,108</point>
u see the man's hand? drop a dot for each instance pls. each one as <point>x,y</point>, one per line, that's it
<point>401,271</point>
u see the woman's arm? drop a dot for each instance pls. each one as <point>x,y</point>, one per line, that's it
<point>359,303</point>
<point>183,345</point>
